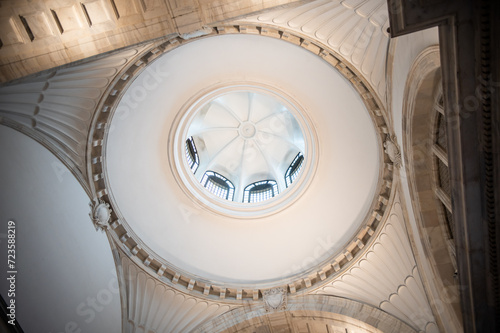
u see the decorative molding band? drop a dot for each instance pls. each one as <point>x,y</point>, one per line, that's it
<point>490,143</point>
<point>126,239</point>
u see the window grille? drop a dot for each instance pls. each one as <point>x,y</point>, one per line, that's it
<point>218,185</point>
<point>294,169</point>
<point>192,155</point>
<point>260,191</point>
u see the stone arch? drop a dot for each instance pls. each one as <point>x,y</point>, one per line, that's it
<point>421,101</point>
<point>313,311</point>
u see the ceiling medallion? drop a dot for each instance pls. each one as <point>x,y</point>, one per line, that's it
<point>243,149</point>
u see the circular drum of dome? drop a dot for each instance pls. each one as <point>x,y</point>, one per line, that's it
<point>180,127</point>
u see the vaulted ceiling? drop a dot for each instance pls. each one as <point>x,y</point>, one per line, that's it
<point>339,251</point>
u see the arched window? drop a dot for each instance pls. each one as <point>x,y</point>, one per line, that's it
<point>192,154</point>
<point>260,191</point>
<point>442,188</point>
<point>294,169</point>
<point>218,185</point>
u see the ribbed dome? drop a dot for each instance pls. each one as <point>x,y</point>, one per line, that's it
<point>244,139</point>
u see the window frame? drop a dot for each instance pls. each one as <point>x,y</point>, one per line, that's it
<point>247,192</point>
<point>207,179</point>
<point>190,149</point>
<point>293,170</point>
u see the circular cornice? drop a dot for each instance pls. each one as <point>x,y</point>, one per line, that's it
<point>125,237</point>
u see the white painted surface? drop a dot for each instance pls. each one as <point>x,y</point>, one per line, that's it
<point>407,48</point>
<point>63,263</point>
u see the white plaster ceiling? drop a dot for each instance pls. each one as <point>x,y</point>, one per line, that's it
<point>178,227</point>
<point>66,277</point>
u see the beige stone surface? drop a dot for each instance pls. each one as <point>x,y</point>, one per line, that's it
<point>38,35</point>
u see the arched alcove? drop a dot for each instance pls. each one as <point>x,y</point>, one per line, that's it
<point>426,161</point>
